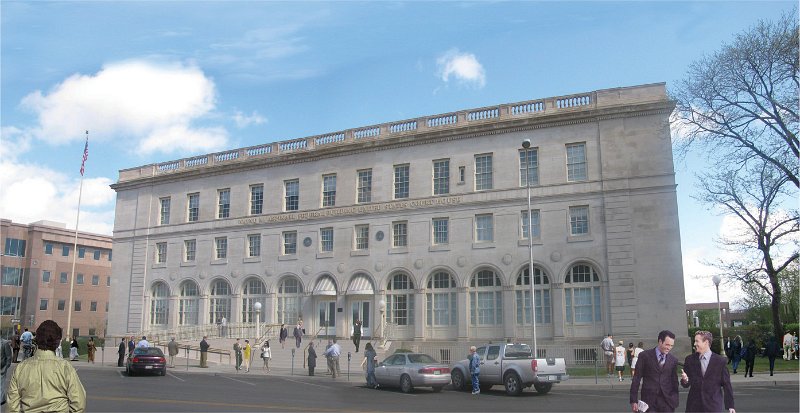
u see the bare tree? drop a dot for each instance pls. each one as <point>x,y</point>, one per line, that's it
<point>766,244</point>
<point>742,101</point>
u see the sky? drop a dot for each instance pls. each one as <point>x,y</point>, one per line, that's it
<point>156,81</point>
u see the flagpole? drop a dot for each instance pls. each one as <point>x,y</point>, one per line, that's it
<point>75,244</point>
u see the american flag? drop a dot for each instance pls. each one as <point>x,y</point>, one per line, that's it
<point>85,153</point>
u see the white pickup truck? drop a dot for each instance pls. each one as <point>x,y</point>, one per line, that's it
<point>512,366</point>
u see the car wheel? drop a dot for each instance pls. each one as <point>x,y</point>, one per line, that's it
<point>457,378</point>
<point>543,388</point>
<point>164,371</point>
<point>130,372</point>
<point>405,384</point>
<point>513,385</point>
<point>437,389</point>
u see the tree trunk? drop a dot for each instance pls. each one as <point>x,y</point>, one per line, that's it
<point>775,304</point>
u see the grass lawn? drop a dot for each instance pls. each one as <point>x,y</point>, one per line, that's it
<point>761,366</point>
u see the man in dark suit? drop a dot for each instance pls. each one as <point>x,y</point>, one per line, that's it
<point>657,367</point>
<point>707,375</point>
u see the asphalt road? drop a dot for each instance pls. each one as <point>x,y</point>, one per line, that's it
<point>110,390</point>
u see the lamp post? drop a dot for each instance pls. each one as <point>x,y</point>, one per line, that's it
<point>257,306</point>
<point>526,144</point>
<point>716,279</point>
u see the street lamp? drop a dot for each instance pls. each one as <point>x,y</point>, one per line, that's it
<point>257,306</point>
<point>716,279</point>
<point>526,144</point>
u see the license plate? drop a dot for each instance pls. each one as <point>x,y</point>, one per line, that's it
<point>148,367</point>
<point>552,378</point>
<point>437,372</point>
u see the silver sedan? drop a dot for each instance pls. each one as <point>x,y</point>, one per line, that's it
<point>409,370</point>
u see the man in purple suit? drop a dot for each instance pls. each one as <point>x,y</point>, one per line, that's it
<point>657,367</point>
<point>707,375</point>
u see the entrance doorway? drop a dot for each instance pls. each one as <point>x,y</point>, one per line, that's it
<point>327,318</point>
<point>362,310</point>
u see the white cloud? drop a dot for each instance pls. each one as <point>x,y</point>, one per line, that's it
<point>462,67</point>
<point>181,138</point>
<point>243,121</point>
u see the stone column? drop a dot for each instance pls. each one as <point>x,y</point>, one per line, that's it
<point>236,309</point>
<point>269,309</point>
<point>557,301</point>
<point>203,317</point>
<point>462,309</point>
<point>173,309</point>
<point>509,313</point>
<point>419,315</point>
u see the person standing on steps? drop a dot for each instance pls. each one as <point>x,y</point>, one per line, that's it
<point>237,351</point>
<point>247,354</point>
<point>357,333</point>
<point>312,358</point>
<point>266,354</point>
<point>298,333</point>
<point>204,352</point>
<point>282,337</point>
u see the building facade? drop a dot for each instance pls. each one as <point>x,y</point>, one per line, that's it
<point>36,271</point>
<point>419,227</point>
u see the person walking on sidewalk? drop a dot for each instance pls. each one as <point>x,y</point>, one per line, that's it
<point>237,351</point>
<point>749,357</point>
<point>608,354</point>
<point>312,358</point>
<point>619,360</point>
<point>73,349</point>
<point>248,353</point>
<point>656,367</point>
<point>707,375</point>
<point>369,361</point>
<point>282,337</point>
<point>266,354</point>
<point>357,333</point>
<point>636,352</point>
<point>204,352</point>
<point>736,352</point>
<point>333,354</point>
<point>90,350</point>
<point>475,369</point>
<point>298,333</point>
<point>772,351</point>
<point>172,348</point>
<point>121,352</point>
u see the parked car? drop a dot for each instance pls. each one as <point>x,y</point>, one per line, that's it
<point>146,359</point>
<point>513,366</point>
<point>409,370</point>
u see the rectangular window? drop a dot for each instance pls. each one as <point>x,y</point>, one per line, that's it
<point>326,239</point>
<point>97,255</point>
<point>529,167</point>
<point>9,305</point>
<point>48,248</point>
<point>329,190</point>
<point>164,215</point>
<point>223,203</point>
<point>77,306</point>
<point>441,177</point>
<point>65,251</point>
<point>93,306</point>
<point>62,304</point>
<point>45,276</point>
<point>109,255</point>
<point>579,220</point>
<point>441,231</point>
<point>193,212</point>
<point>483,172</point>
<point>400,234</point>
<point>81,252</point>
<point>364,186</point>
<point>189,249</point>
<point>15,247</point>
<point>161,252</point>
<point>63,278</point>
<point>13,276</point>
<point>95,280</point>
<point>92,331</point>
<point>292,195</point>
<point>254,245</point>
<point>484,228</point>
<point>256,199</point>
<point>534,221</point>
<point>576,162</point>
<point>362,237</point>
<point>290,243</point>
<point>462,174</point>
<point>43,304</point>
<point>401,188</point>
<point>108,281</point>
<point>79,279</point>
<point>221,248</point>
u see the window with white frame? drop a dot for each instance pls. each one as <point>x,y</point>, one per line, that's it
<point>441,177</point>
<point>256,199</point>
<point>484,228</point>
<point>486,299</point>
<point>401,185</point>
<point>579,220</point>
<point>441,231</point>
<point>399,234</point>
<point>291,195</point>
<point>440,300</point>
<point>161,252</point>
<point>400,300</point>
<point>219,302</point>
<point>223,203</point>
<point>525,224</point>
<point>193,208</point>
<point>483,172</point>
<point>254,245</point>
<point>189,250</point>
<point>221,248</point>
<point>164,213</point>
<point>329,190</point>
<point>189,303</point>
<point>576,162</point>
<point>361,237</point>
<point>529,166</point>
<point>522,291</point>
<point>326,239</point>
<point>289,242</point>
<point>159,304</point>
<point>364,186</point>
<point>582,295</point>
<point>290,292</point>
<point>254,292</point>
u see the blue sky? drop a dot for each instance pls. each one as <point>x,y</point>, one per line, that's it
<point>155,81</point>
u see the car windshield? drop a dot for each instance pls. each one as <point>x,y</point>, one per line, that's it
<point>518,350</point>
<point>150,351</point>
<point>422,359</point>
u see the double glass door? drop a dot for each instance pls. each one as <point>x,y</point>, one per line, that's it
<point>327,318</point>
<point>361,310</point>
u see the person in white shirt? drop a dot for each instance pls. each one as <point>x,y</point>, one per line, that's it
<point>266,354</point>
<point>639,349</point>
<point>619,359</point>
<point>143,342</point>
<point>788,345</point>
<point>333,353</point>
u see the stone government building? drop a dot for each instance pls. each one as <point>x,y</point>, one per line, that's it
<point>419,228</point>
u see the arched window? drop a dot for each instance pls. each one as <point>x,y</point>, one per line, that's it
<point>220,302</point>
<point>400,300</point>
<point>582,295</point>
<point>189,304</point>
<point>486,299</point>
<point>159,304</point>
<point>522,290</point>
<point>440,308</point>
<point>254,292</point>
<point>289,293</point>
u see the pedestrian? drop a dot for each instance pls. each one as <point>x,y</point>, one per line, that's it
<point>369,361</point>
<point>27,344</point>
<point>6,354</point>
<point>749,357</point>
<point>475,369</point>
<point>298,333</point>
<point>131,346</point>
<point>619,360</point>
<point>608,353</point>
<point>728,351</point>
<point>707,376</point>
<point>248,353</point>
<point>788,344</point>
<point>204,352</point>
<point>15,345</point>
<point>332,354</point>
<point>312,358</point>
<point>237,351</point>
<point>328,361</point>
<point>796,346</point>
<point>283,334</point>
<point>736,352</point>
<point>172,349</point>
<point>143,343</point>
<point>629,356</point>
<point>224,323</point>
<point>636,352</point>
<point>772,351</point>
<point>266,354</point>
<point>73,349</point>
<point>121,352</point>
<point>357,333</point>
<point>90,350</point>
<point>656,367</point>
<point>44,383</point>
<point>59,351</point>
